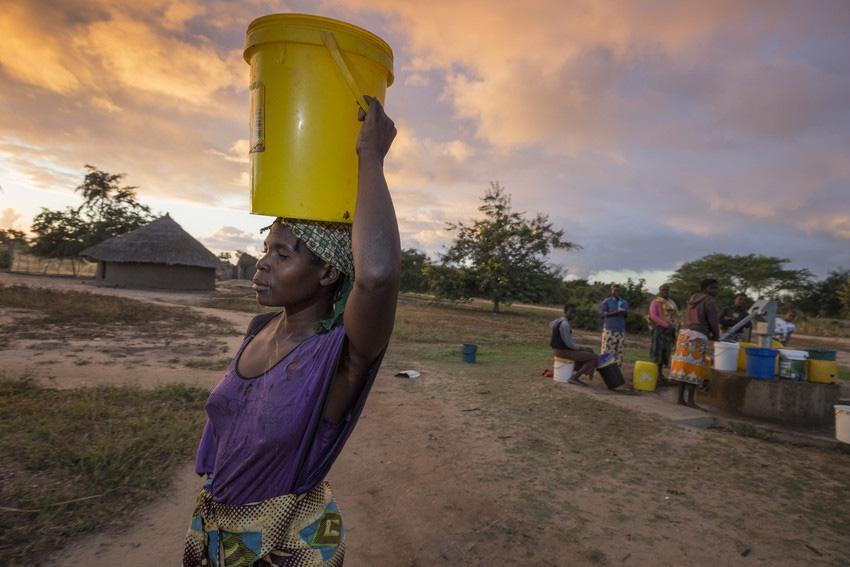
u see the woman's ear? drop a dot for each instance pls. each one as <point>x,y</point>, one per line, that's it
<point>329,276</point>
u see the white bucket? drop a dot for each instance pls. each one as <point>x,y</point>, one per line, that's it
<point>842,423</point>
<point>792,364</point>
<point>726,356</point>
<point>563,369</point>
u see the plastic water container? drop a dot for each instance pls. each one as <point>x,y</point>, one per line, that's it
<point>611,375</point>
<point>761,362</point>
<point>792,364</point>
<point>842,423</point>
<point>467,352</point>
<point>563,369</point>
<point>742,355</point>
<point>726,356</point>
<point>822,371</point>
<point>308,77</point>
<point>822,354</point>
<point>645,376</point>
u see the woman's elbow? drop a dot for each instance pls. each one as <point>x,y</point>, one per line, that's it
<point>378,279</point>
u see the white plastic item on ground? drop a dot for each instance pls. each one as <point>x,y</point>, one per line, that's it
<point>842,424</point>
<point>792,364</point>
<point>726,356</point>
<point>563,369</point>
<point>410,374</point>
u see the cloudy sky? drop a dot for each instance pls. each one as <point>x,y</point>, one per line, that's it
<point>653,132</point>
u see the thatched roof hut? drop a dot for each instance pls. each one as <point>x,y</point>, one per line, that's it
<point>158,255</point>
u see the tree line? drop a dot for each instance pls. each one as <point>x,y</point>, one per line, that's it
<point>502,257</point>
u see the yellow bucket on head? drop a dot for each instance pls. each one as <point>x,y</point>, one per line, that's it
<point>308,77</point>
<point>645,376</point>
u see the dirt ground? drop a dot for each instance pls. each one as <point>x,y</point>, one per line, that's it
<point>490,464</point>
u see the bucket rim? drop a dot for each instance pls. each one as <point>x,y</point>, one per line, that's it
<point>317,23</point>
<point>761,351</point>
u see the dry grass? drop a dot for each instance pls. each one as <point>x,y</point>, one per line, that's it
<point>55,313</point>
<point>823,327</point>
<point>73,461</point>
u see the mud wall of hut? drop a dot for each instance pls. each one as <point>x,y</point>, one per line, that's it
<point>155,276</point>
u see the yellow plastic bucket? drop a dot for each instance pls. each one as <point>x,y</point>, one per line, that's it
<point>742,355</point>
<point>308,76</point>
<point>645,376</point>
<point>822,371</point>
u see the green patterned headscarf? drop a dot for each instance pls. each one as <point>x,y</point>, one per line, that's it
<point>330,241</point>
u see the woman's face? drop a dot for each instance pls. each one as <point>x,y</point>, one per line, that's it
<point>286,274</point>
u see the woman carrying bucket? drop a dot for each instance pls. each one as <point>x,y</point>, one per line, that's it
<point>297,384</point>
<point>689,365</point>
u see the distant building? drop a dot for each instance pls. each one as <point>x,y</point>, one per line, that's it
<point>246,267</point>
<point>159,255</point>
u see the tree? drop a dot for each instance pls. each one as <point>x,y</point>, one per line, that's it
<point>504,253</point>
<point>413,277</point>
<point>754,274</point>
<point>823,298</point>
<point>844,297</point>
<point>11,241</point>
<point>108,209</point>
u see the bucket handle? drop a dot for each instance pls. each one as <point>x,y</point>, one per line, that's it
<point>329,40</point>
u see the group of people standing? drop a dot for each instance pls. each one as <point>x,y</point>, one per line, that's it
<point>679,340</point>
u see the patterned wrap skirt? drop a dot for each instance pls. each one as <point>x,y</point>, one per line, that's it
<point>690,363</point>
<point>293,530</point>
<point>615,343</point>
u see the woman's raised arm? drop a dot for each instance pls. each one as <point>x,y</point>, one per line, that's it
<point>370,310</point>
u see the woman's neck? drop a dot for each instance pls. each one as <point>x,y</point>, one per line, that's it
<point>301,321</point>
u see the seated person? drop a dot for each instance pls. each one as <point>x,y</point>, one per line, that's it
<point>563,346</point>
<point>784,327</point>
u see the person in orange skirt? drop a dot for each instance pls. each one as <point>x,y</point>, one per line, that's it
<point>690,365</point>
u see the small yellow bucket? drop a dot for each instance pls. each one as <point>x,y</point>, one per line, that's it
<point>645,376</point>
<point>308,76</point>
<point>822,371</point>
<point>742,355</point>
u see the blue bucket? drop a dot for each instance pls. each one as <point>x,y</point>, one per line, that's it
<point>467,352</point>
<point>761,362</point>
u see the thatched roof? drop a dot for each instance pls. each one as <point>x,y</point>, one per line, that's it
<point>162,241</point>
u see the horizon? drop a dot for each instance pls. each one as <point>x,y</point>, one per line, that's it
<point>652,133</point>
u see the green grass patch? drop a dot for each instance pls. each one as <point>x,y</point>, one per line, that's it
<point>747,430</point>
<point>209,363</point>
<point>635,354</point>
<point>74,461</point>
<point>508,353</point>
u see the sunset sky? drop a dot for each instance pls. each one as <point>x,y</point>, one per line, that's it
<point>652,132</point>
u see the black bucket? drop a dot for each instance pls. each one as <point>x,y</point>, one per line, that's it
<point>612,376</point>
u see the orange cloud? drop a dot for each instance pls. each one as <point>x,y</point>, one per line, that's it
<point>31,55</point>
<point>139,58</point>
<point>415,161</point>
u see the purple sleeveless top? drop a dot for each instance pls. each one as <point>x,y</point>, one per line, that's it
<point>265,436</point>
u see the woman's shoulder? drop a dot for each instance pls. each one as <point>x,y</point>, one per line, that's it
<point>259,322</point>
